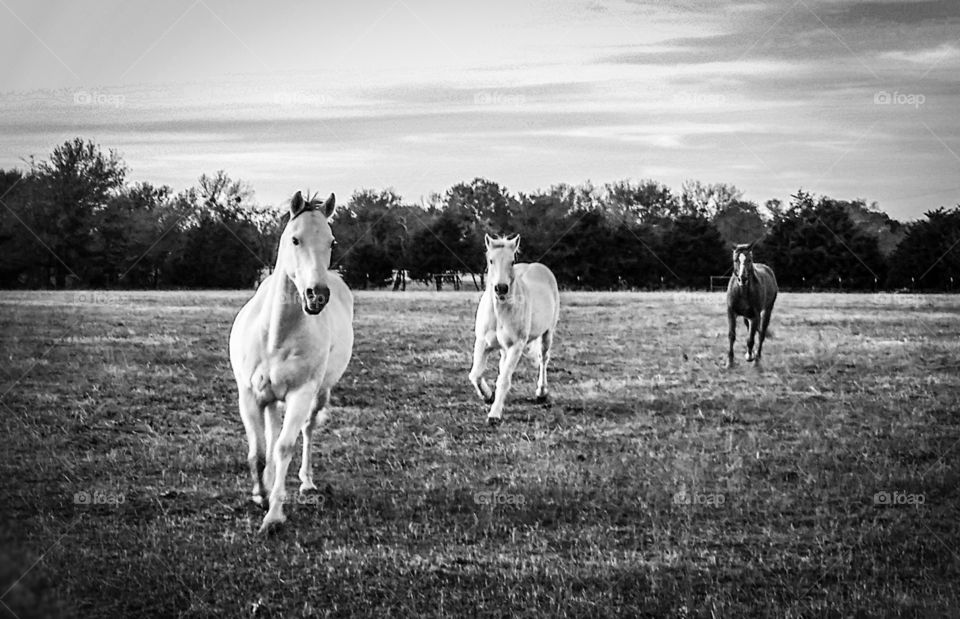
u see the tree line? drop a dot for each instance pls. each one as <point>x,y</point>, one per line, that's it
<point>74,220</point>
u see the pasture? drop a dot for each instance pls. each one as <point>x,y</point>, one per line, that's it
<point>653,481</point>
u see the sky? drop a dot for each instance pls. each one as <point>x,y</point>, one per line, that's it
<point>850,99</point>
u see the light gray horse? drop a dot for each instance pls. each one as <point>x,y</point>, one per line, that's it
<point>518,311</point>
<point>289,345</point>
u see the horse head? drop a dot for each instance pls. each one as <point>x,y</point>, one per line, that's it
<point>501,255</point>
<point>305,248</point>
<point>743,263</point>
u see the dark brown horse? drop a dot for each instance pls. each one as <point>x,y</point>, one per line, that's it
<point>751,293</point>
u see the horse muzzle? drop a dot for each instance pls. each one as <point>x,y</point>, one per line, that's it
<point>315,299</point>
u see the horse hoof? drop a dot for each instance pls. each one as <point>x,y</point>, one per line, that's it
<point>269,527</point>
<point>310,488</point>
<point>493,422</point>
<point>542,398</point>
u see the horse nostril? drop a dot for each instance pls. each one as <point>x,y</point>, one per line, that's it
<point>500,289</point>
<point>323,294</point>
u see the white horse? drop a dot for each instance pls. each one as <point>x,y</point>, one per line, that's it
<point>519,308</point>
<point>289,345</point>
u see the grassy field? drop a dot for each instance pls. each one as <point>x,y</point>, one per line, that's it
<point>654,482</point>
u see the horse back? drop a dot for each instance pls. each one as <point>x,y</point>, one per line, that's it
<point>768,284</point>
<point>542,293</point>
<point>340,318</point>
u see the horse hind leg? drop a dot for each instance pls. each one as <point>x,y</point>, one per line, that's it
<point>546,341</point>
<point>317,418</point>
<point>251,414</point>
<point>764,323</point>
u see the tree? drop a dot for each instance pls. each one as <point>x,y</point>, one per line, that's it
<point>814,243</point>
<point>128,247</point>
<point>77,181</point>
<point>740,222</point>
<point>490,206</point>
<point>371,231</point>
<point>223,239</point>
<point>20,251</point>
<point>645,202</point>
<point>445,245</point>
<point>874,222</point>
<point>693,250</point>
<point>928,258</point>
<point>706,200</point>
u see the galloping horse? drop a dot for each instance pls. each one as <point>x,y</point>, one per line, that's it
<point>751,293</point>
<point>289,345</point>
<point>519,307</point>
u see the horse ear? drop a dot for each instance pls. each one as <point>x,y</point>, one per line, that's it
<point>330,206</point>
<point>297,204</point>
<point>487,241</point>
<point>515,241</point>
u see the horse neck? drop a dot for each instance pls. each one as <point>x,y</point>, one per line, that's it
<point>285,312</point>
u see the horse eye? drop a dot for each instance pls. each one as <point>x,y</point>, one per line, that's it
<point>334,243</point>
<point>296,241</point>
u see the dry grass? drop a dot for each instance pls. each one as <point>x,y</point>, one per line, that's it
<point>653,482</point>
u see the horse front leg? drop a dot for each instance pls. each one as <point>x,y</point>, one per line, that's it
<point>754,325</point>
<point>481,350</point>
<point>273,419</point>
<point>298,410</point>
<point>732,335</point>
<point>317,418</point>
<point>252,415</point>
<point>509,359</point>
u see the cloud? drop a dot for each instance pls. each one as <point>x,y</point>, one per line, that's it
<point>900,12</point>
<point>932,55</point>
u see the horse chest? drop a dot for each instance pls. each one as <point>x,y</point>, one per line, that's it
<point>512,327</point>
<point>742,306</point>
<point>277,373</point>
